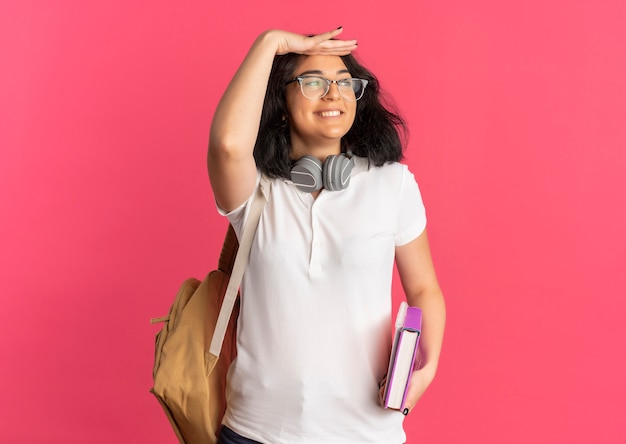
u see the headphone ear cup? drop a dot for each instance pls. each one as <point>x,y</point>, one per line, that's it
<point>336,172</point>
<point>306,174</point>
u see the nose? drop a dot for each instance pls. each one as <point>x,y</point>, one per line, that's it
<point>333,92</point>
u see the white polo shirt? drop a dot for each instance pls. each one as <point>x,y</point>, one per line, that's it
<point>314,332</point>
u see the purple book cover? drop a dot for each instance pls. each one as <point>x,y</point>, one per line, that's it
<point>413,320</point>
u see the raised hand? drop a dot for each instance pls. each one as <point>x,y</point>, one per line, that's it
<point>320,44</point>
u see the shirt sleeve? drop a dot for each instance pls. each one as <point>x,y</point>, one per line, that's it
<point>411,211</point>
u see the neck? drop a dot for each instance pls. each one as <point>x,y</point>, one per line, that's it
<point>318,150</point>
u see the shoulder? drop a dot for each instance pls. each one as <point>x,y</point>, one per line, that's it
<point>364,165</point>
<point>391,174</point>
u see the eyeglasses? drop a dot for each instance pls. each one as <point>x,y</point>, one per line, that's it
<point>315,87</point>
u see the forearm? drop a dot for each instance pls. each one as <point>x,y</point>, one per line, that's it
<point>236,120</point>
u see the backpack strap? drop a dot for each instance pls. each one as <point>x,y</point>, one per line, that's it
<point>229,251</point>
<point>240,262</point>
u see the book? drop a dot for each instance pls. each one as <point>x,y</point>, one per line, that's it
<point>408,328</point>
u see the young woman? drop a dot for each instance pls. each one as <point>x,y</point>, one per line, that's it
<point>314,328</point>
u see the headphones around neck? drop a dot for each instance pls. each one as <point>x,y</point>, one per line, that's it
<point>310,175</point>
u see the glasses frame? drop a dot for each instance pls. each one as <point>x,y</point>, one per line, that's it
<point>299,79</point>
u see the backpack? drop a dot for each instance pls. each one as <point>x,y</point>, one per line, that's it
<point>197,342</point>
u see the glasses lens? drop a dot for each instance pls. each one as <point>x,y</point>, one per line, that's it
<point>352,89</point>
<point>313,87</point>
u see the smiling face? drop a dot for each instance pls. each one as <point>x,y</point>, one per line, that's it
<point>317,125</point>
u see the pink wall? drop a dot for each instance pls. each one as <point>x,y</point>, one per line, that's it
<point>517,112</point>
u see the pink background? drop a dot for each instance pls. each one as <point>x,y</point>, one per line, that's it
<point>517,111</point>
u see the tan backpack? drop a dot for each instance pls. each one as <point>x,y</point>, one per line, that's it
<point>197,343</point>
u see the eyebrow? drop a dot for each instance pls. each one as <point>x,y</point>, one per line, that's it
<point>318,72</point>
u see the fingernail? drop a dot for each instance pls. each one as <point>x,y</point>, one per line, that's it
<point>339,27</point>
<point>405,412</point>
